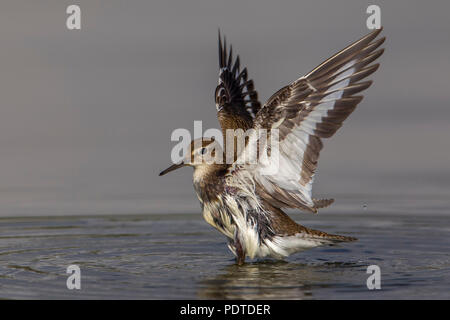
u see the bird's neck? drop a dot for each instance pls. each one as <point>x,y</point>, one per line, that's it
<point>209,173</point>
<point>208,182</point>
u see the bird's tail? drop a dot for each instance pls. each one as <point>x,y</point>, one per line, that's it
<point>308,238</point>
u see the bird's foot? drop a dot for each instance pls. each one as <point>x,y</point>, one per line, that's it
<point>240,260</point>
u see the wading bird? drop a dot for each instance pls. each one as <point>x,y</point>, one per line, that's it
<point>242,200</point>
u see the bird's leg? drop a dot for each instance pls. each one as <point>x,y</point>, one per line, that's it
<point>240,253</point>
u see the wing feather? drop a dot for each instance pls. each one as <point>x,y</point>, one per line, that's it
<point>309,109</point>
<point>236,98</point>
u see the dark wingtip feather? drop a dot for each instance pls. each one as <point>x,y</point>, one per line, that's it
<point>224,52</point>
<point>234,80</point>
<point>373,34</point>
<point>220,50</point>
<point>230,57</point>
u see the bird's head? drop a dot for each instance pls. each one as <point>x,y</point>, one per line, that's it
<point>202,153</point>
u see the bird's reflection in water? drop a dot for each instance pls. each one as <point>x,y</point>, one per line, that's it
<point>269,280</point>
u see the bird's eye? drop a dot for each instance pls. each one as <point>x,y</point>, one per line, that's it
<point>202,150</point>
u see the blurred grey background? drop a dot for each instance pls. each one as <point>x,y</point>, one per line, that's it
<point>86,116</point>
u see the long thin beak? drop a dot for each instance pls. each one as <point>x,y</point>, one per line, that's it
<point>172,167</point>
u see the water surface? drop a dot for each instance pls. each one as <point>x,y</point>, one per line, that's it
<point>178,256</point>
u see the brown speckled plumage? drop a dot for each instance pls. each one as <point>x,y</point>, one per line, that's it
<point>240,200</point>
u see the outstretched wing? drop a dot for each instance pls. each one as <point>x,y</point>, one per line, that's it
<point>311,108</point>
<point>236,98</point>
